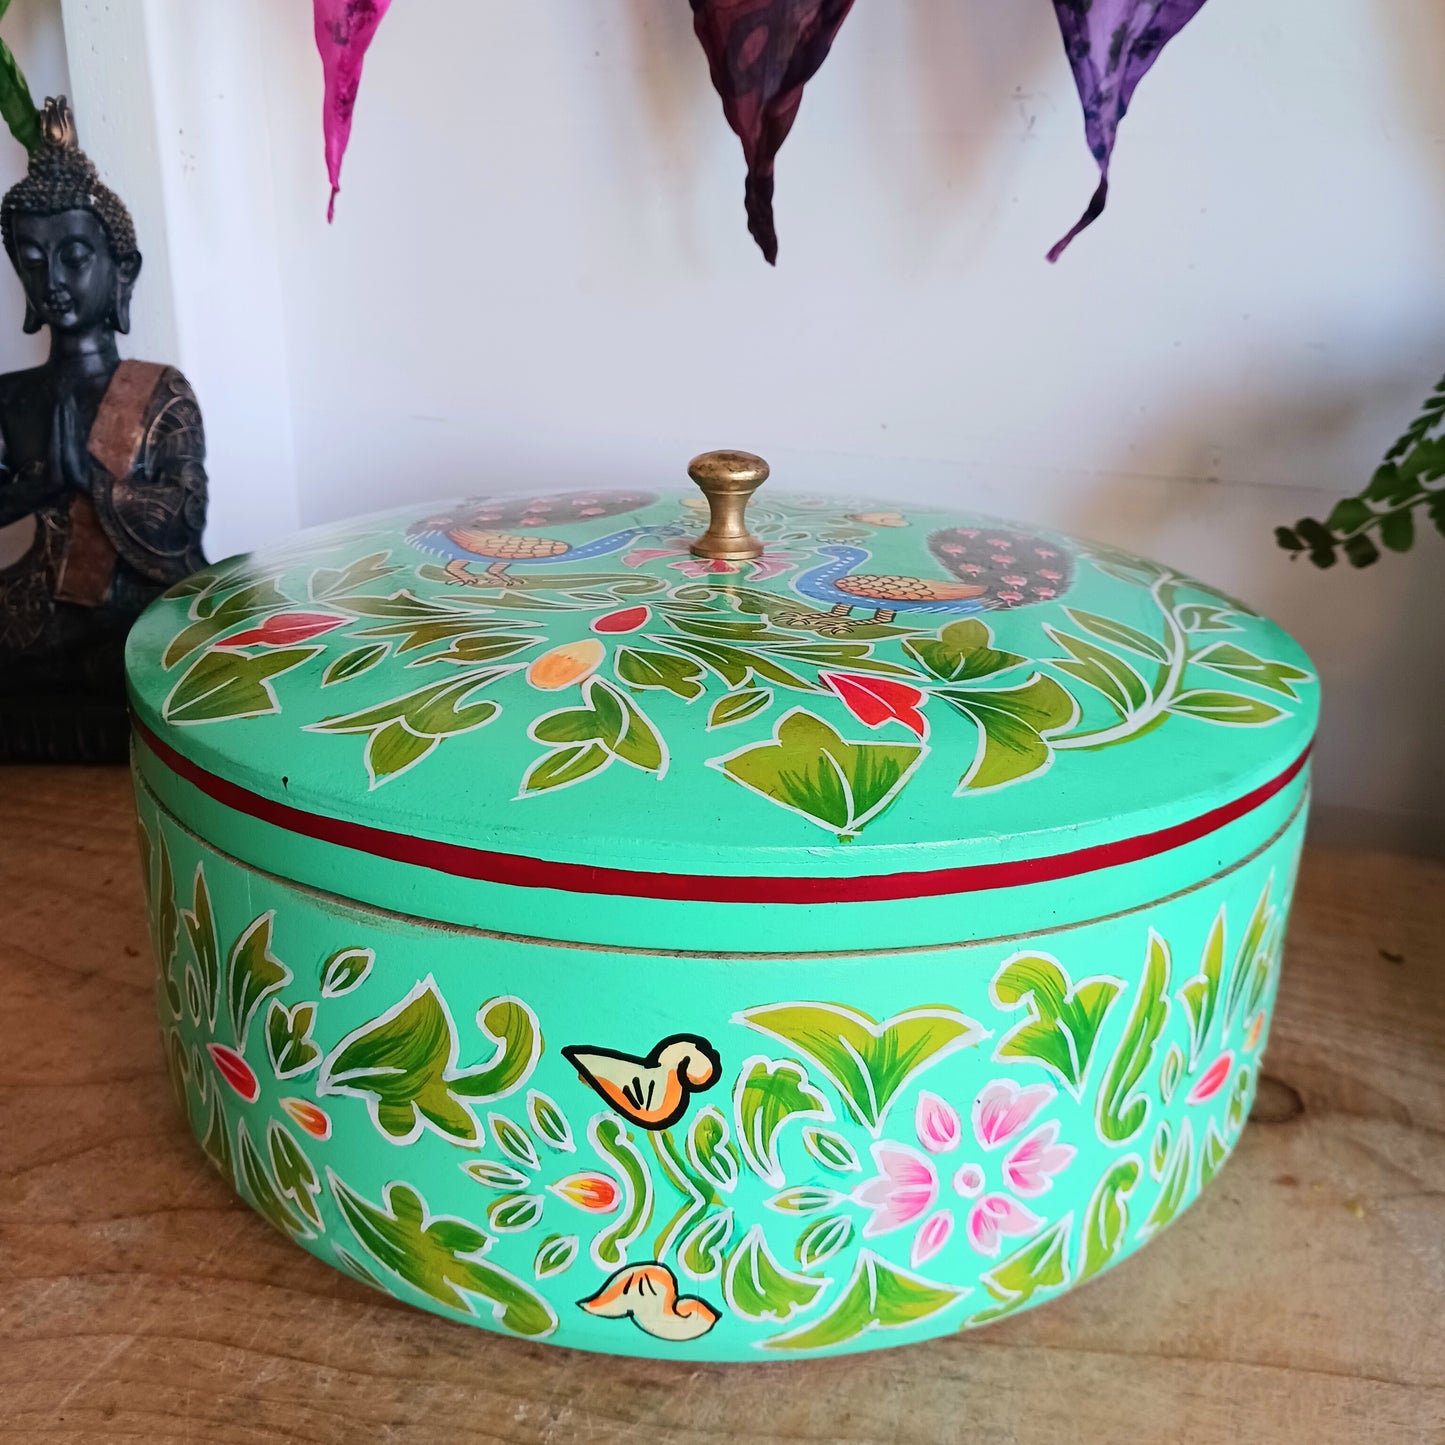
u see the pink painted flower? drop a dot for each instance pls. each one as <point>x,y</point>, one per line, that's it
<point>904,1190</point>
<point>1003,1109</point>
<point>938,1125</point>
<point>994,1217</point>
<point>1031,1166</point>
<point>936,1231</point>
<point>969,1181</point>
<point>1213,1079</point>
<point>773,563</point>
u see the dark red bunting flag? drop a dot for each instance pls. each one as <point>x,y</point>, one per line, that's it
<point>762,53</point>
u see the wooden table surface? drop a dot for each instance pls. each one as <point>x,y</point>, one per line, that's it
<point>1303,1299</point>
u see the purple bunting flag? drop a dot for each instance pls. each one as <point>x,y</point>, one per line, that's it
<point>1111,44</point>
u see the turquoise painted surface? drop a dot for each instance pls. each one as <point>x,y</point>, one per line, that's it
<point>883,691</point>
<point>730,1158</point>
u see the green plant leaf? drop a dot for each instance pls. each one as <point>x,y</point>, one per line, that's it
<point>1119,634</point>
<point>549,1123</point>
<point>962,652</point>
<point>1014,725</point>
<point>736,707</point>
<point>866,1061</point>
<point>768,1093</point>
<point>1122,1110</point>
<point>757,1287</point>
<point>1106,1221</point>
<point>879,1296</point>
<point>221,685</point>
<point>647,668</point>
<point>513,1140</point>
<point>16,104</point>
<point>252,974</point>
<point>1230,709</point>
<point>288,1039</point>
<point>831,1150</point>
<point>1200,994</point>
<point>404,1064</point>
<point>440,1257</point>
<point>809,769</point>
<point>709,1150</point>
<point>1042,1264</point>
<point>1063,1020</point>
<point>702,1251</point>
<point>1175,1184</point>
<point>613,1143</point>
<point>354,663</point>
<point>555,1255</point>
<point>345,970</point>
<point>295,1177</point>
<point>514,1213</point>
<point>1244,666</point>
<point>1397,531</point>
<point>822,1239</point>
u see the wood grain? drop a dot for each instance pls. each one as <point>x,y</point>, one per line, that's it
<point>1299,1301</point>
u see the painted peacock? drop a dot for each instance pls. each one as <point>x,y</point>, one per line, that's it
<point>506,532</point>
<point>992,568</point>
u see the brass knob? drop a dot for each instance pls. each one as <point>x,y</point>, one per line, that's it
<point>728,480</point>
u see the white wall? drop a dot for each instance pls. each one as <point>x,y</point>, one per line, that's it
<point>540,275</point>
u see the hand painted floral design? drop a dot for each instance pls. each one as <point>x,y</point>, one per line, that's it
<point>775,562</point>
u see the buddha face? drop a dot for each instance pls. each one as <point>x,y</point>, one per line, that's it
<point>72,281</point>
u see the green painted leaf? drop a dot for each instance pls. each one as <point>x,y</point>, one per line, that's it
<point>709,1149</point>
<point>215,615</point>
<point>736,665</point>
<point>328,582</point>
<point>1212,1154</point>
<point>757,1287</point>
<point>1170,1073</point>
<point>217,1141</point>
<point>1014,725</point>
<point>614,1144</point>
<point>295,1177</point>
<point>1159,1149</point>
<point>1229,709</point>
<point>165,926</point>
<point>404,1064</point>
<point>549,1123</point>
<point>822,1239</point>
<point>1122,1110</point>
<point>195,1004</point>
<point>1106,1222</point>
<point>1102,670</point>
<point>349,1264</point>
<point>633,738</point>
<point>804,1199</point>
<point>1196,617</point>
<point>1175,1185</point>
<point>513,1213</point>
<point>221,685</point>
<point>866,1061</point>
<point>1240,1098</point>
<point>1042,1264</point>
<point>1200,994</point>
<point>252,974</point>
<point>737,707</point>
<point>809,769</point>
<point>555,1255</point>
<point>702,1251</point>
<point>962,652</point>
<point>259,1189</point>
<point>1255,932</point>
<point>831,1150</point>
<point>345,970</point>
<point>879,1296</point>
<point>1244,666</point>
<point>646,668</point>
<point>354,663</point>
<point>288,1039</point>
<point>1119,634</point>
<point>200,925</point>
<point>1063,1020</point>
<point>496,1175</point>
<point>472,649</point>
<point>513,1140</point>
<point>768,1093</point>
<point>565,766</point>
<point>440,1257</point>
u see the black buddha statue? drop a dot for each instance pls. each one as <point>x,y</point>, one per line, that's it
<point>102,476</point>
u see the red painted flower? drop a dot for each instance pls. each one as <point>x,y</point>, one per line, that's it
<point>1213,1079</point>
<point>627,620</point>
<point>314,1121</point>
<point>877,700</point>
<point>285,629</point>
<point>235,1071</point>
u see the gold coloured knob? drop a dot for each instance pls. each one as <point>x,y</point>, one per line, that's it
<point>728,479</point>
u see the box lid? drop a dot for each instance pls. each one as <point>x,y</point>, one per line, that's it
<point>890,701</point>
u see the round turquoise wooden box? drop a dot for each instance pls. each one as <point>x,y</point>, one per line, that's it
<point>715,957</point>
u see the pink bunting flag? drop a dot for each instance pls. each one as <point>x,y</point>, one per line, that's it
<point>344,29</point>
<point>1111,45</point>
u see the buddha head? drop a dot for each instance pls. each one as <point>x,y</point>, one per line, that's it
<point>70,238</point>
